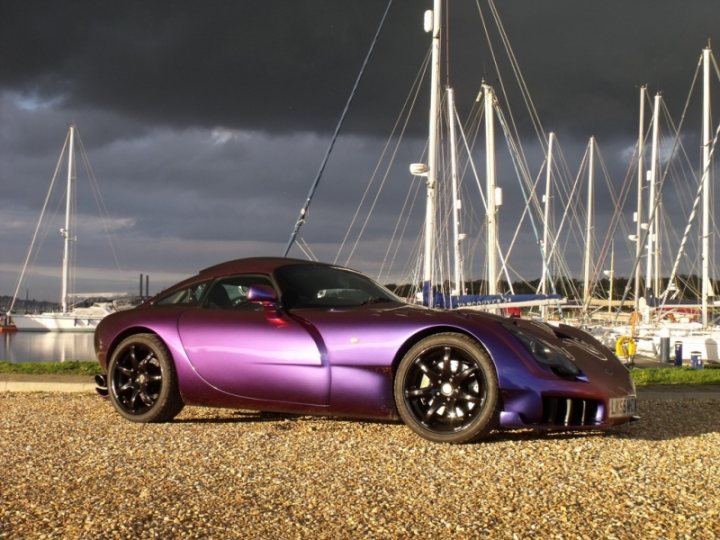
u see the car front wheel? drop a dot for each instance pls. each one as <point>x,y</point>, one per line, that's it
<point>446,389</point>
<point>142,381</point>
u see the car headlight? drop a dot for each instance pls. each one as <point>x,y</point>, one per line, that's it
<point>546,354</point>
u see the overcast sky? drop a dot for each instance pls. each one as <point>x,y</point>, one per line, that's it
<point>206,121</point>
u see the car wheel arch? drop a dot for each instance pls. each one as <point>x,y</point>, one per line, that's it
<point>415,338</point>
<point>118,339</point>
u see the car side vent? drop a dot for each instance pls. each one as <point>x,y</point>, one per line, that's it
<point>571,412</point>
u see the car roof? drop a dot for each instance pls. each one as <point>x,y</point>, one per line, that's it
<point>263,265</point>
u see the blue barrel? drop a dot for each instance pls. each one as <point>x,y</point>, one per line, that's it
<point>696,360</point>
<point>678,353</point>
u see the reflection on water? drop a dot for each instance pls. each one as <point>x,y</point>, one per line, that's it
<point>46,347</point>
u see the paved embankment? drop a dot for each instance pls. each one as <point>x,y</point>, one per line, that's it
<point>13,382</point>
<point>72,468</point>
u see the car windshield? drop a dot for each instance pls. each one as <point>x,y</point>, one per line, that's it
<point>309,285</point>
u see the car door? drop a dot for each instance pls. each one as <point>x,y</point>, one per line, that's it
<point>249,350</point>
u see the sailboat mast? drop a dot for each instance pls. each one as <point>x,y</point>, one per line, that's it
<point>456,204</point>
<point>66,232</point>
<point>491,187</point>
<point>546,223</point>
<point>589,224</point>
<point>652,203</point>
<point>640,179</point>
<point>611,276</point>
<point>706,142</point>
<point>431,198</point>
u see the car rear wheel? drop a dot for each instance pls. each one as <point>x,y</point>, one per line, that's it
<point>446,389</point>
<point>142,381</point>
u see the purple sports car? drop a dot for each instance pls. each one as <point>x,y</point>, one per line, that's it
<point>285,335</point>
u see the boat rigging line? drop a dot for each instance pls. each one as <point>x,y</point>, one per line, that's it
<point>39,223</point>
<point>401,124</point>
<point>303,211</point>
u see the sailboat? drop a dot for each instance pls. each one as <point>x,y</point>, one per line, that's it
<point>71,318</point>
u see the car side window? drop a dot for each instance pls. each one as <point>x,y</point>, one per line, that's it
<point>232,292</point>
<point>185,296</point>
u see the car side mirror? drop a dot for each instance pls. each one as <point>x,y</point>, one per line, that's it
<point>262,294</point>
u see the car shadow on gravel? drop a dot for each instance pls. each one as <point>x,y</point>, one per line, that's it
<point>238,417</point>
<point>519,435</point>
<point>328,423</point>
<point>659,421</point>
<point>286,422</point>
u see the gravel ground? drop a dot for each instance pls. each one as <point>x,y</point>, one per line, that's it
<point>72,468</point>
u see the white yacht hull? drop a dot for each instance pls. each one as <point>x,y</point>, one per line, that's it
<point>56,322</point>
<point>79,320</point>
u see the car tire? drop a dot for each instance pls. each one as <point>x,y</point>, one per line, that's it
<point>446,389</point>
<point>142,381</point>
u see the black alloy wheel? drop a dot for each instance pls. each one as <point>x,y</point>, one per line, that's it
<point>142,382</point>
<point>446,389</point>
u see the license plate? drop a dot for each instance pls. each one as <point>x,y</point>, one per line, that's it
<point>625,406</point>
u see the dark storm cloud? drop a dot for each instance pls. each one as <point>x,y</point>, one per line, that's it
<point>280,65</point>
<point>271,65</point>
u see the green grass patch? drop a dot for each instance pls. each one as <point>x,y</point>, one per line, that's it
<point>51,368</point>
<point>674,375</point>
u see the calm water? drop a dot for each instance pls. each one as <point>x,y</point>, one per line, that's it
<point>46,347</point>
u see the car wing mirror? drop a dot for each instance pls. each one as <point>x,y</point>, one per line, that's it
<point>265,296</point>
<point>262,294</point>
